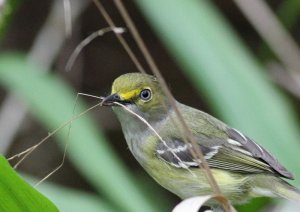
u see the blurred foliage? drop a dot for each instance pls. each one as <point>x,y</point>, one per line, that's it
<point>220,66</point>
<point>67,199</point>
<point>17,195</point>
<point>6,13</point>
<point>288,14</point>
<point>50,100</point>
<point>217,63</point>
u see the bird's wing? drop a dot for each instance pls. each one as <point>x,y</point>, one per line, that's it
<point>244,143</point>
<point>237,153</point>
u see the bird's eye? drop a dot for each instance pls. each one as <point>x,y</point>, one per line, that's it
<point>145,95</point>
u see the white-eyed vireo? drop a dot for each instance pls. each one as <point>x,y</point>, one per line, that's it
<point>242,168</point>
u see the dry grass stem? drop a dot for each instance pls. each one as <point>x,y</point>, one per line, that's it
<point>28,151</point>
<point>65,149</point>
<point>119,36</point>
<point>68,17</point>
<point>156,133</point>
<point>196,152</point>
<point>56,169</point>
<point>89,39</point>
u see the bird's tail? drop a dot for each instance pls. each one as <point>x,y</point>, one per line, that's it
<point>272,185</point>
<point>287,191</point>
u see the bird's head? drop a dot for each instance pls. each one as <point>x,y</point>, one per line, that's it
<point>139,92</point>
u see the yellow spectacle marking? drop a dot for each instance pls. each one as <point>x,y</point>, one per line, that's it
<point>130,94</point>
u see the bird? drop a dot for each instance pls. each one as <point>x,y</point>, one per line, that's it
<point>242,168</point>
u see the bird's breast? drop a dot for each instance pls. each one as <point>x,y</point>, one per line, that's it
<point>140,138</point>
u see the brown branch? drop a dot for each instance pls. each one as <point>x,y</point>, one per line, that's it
<point>120,37</point>
<point>197,153</point>
<point>186,131</point>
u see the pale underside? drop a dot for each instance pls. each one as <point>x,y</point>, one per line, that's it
<point>236,161</point>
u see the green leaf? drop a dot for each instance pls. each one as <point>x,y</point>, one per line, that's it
<point>52,102</point>
<point>256,204</point>
<point>17,195</point>
<point>223,70</point>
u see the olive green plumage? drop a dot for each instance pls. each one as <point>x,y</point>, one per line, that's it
<point>242,168</point>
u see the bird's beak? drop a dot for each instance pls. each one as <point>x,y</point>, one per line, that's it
<point>109,100</point>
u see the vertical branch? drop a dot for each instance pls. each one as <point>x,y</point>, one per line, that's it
<point>197,154</point>
<point>68,18</point>
<point>120,37</point>
<point>185,129</point>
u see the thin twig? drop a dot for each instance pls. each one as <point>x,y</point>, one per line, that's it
<point>28,151</point>
<point>65,149</point>
<point>156,133</point>
<point>197,154</point>
<point>119,37</point>
<point>56,169</point>
<point>68,17</point>
<point>89,39</point>
<point>89,95</point>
